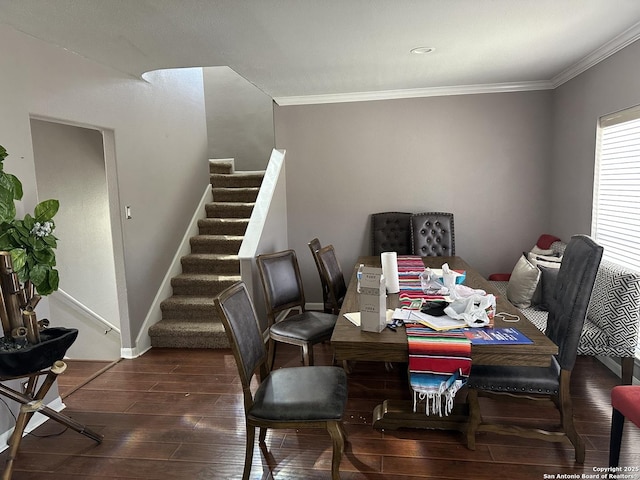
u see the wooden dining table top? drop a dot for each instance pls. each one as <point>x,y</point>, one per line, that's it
<point>351,343</point>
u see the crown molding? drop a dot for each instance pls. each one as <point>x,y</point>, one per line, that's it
<point>413,93</point>
<point>615,45</point>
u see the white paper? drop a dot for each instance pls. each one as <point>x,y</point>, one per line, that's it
<point>389,261</point>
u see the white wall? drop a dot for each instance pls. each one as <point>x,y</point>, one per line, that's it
<point>160,149</point>
<point>486,158</point>
<point>612,85</point>
<point>239,119</point>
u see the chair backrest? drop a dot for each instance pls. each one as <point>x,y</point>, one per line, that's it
<point>315,246</point>
<point>332,273</point>
<point>281,282</point>
<point>571,296</point>
<point>238,315</point>
<point>391,232</point>
<point>432,234</point>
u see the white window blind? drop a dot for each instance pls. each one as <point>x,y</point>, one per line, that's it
<point>616,195</point>
<point>616,203</point>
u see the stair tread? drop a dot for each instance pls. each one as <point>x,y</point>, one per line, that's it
<point>213,277</point>
<point>232,204</point>
<point>211,256</point>
<point>224,220</point>
<point>218,237</point>
<point>186,327</point>
<point>235,189</point>
<point>189,300</point>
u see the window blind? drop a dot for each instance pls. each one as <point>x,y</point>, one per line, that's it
<point>616,206</point>
<point>616,198</point>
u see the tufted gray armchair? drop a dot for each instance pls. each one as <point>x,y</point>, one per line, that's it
<point>391,232</point>
<point>432,234</point>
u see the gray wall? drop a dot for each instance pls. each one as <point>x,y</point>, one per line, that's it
<point>486,158</point>
<point>239,119</point>
<point>612,85</point>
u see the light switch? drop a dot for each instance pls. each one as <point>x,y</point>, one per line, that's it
<point>127,212</point>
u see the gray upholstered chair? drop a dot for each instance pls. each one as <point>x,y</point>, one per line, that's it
<point>283,292</point>
<point>568,311</point>
<point>333,277</point>
<point>291,398</point>
<point>391,232</point>
<point>315,246</point>
<point>432,234</point>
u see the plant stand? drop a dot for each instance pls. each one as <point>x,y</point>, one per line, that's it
<point>32,362</point>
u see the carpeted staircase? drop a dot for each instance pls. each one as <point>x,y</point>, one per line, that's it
<point>188,316</point>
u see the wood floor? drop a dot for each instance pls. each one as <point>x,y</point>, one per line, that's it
<point>178,414</point>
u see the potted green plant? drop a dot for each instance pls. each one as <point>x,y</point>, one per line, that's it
<point>30,241</point>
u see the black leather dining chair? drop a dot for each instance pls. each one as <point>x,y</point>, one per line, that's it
<point>315,246</point>
<point>283,292</point>
<point>286,398</point>
<point>568,311</point>
<point>433,234</point>
<point>333,277</point>
<point>391,232</point>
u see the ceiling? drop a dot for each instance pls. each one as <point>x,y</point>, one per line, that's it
<point>310,51</point>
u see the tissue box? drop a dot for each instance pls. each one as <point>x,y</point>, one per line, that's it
<point>461,275</point>
<point>373,300</point>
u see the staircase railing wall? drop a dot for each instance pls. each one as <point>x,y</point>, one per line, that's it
<point>267,229</point>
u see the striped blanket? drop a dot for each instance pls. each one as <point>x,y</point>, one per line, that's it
<point>439,362</point>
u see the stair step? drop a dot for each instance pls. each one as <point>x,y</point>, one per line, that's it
<point>210,263</point>
<point>241,194</point>
<point>223,226</point>
<point>229,209</point>
<point>216,243</point>
<point>223,166</point>
<point>201,284</point>
<point>187,334</point>
<point>189,307</point>
<point>237,179</point>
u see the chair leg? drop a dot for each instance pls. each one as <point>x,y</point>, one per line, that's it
<point>271,353</point>
<point>337,436</point>
<point>345,437</point>
<point>475,417</point>
<point>627,364</point>
<point>566,416</point>
<point>307,354</point>
<point>263,434</point>
<point>248,457</point>
<point>617,425</point>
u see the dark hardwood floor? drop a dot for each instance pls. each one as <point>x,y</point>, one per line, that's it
<point>177,414</point>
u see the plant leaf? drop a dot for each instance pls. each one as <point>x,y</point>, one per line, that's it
<point>19,258</point>
<point>38,274</point>
<point>17,186</point>
<point>46,210</point>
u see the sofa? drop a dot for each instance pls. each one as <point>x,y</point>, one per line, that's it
<point>613,317</point>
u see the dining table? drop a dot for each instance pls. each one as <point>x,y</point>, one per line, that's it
<point>352,345</point>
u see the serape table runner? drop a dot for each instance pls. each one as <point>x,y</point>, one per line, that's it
<point>409,269</point>
<point>439,365</point>
<point>439,362</point>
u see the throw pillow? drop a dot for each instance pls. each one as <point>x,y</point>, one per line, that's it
<point>542,261</point>
<point>523,282</point>
<point>539,251</point>
<point>545,240</point>
<point>548,281</point>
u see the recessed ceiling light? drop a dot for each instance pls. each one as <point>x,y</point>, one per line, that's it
<point>422,50</point>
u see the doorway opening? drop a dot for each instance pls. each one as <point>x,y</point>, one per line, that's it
<point>71,166</point>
